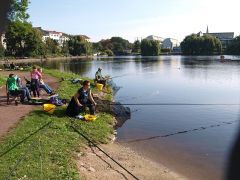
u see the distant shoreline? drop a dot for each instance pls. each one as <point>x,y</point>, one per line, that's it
<point>30,60</point>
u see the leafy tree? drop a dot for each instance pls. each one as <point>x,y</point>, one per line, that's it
<point>78,45</point>
<point>150,47</point>
<point>65,49</point>
<point>234,47</point>
<point>22,39</point>
<point>97,47</point>
<point>2,51</point>
<point>201,45</point>
<point>117,45</point>
<point>137,46</point>
<point>108,52</point>
<point>52,46</point>
<point>18,10</point>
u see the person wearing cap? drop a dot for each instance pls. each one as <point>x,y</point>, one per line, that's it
<point>99,78</point>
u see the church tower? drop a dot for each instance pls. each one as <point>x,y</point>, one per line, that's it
<point>207,30</point>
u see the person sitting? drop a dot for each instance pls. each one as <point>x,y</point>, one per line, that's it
<point>82,99</point>
<point>43,85</point>
<point>99,78</point>
<point>12,66</point>
<point>14,90</point>
<point>35,77</point>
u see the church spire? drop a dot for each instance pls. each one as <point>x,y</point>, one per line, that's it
<point>207,30</point>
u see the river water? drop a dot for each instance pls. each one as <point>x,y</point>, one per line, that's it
<point>201,150</point>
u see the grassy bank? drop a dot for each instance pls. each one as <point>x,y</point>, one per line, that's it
<point>2,80</point>
<point>51,150</point>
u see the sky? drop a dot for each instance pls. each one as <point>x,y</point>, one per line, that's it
<point>132,19</point>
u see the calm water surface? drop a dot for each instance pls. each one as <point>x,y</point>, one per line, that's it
<point>199,154</point>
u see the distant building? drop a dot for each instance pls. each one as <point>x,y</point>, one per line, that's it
<point>54,35</point>
<point>170,43</point>
<point>225,37</point>
<point>2,41</point>
<point>156,38</point>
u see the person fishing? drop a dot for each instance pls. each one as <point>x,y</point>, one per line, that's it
<point>99,78</point>
<point>35,78</point>
<point>82,99</point>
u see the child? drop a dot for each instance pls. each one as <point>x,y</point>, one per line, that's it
<point>35,78</point>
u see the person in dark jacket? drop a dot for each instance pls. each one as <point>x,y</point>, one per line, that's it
<point>82,99</point>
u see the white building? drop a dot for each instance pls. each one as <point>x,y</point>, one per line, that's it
<point>54,35</point>
<point>156,38</point>
<point>2,41</point>
<point>170,43</point>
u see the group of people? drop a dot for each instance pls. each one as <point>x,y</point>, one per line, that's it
<point>84,98</point>
<point>15,86</point>
<point>80,101</point>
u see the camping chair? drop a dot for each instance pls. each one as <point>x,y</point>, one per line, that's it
<point>14,96</point>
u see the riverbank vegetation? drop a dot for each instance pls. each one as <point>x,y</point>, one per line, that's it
<point>201,45</point>
<point>50,152</point>
<point>234,47</point>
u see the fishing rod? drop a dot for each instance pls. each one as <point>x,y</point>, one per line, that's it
<point>100,149</point>
<point>25,139</point>
<point>171,104</point>
<point>181,132</point>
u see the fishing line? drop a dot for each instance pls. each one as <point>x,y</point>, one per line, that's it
<point>22,141</point>
<point>182,132</point>
<point>173,104</point>
<point>30,147</point>
<point>100,149</point>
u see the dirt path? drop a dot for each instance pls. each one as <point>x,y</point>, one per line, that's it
<point>11,114</point>
<point>93,164</point>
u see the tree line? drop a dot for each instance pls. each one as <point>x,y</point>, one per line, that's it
<point>23,40</point>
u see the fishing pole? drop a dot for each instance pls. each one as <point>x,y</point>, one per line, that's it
<point>100,149</point>
<point>26,138</point>
<point>171,104</point>
<point>182,132</point>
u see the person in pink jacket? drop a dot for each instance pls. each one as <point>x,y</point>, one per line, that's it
<point>35,81</point>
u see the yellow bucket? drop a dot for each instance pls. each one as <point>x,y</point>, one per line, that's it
<point>89,117</point>
<point>49,108</point>
<point>99,86</point>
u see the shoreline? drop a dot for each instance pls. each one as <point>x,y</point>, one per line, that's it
<point>30,60</point>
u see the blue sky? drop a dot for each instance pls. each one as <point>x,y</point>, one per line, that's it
<point>101,19</point>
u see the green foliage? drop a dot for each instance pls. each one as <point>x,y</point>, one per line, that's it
<point>234,47</point>
<point>117,45</point>
<point>2,51</point>
<point>60,144</point>
<point>52,46</point>
<point>78,45</point>
<point>137,46</point>
<point>2,80</point>
<point>201,45</point>
<point>109,52</point>
<point>150,47</point>
<point>23,40</point>
<point>18,10</point>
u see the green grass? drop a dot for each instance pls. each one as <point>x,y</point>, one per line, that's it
<point>59,145</point>
<point>2,80</point>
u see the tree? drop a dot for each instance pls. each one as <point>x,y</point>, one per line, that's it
<point>22,39</point>
<point>150,47</point>
<point>18,10</point>
<point>2,51</point>
<point>52,46</point>
<point>78,45</point>
<point>234,47</point>
<point>201,45</point>
<point>117,45</point>
<point>137,46</point>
